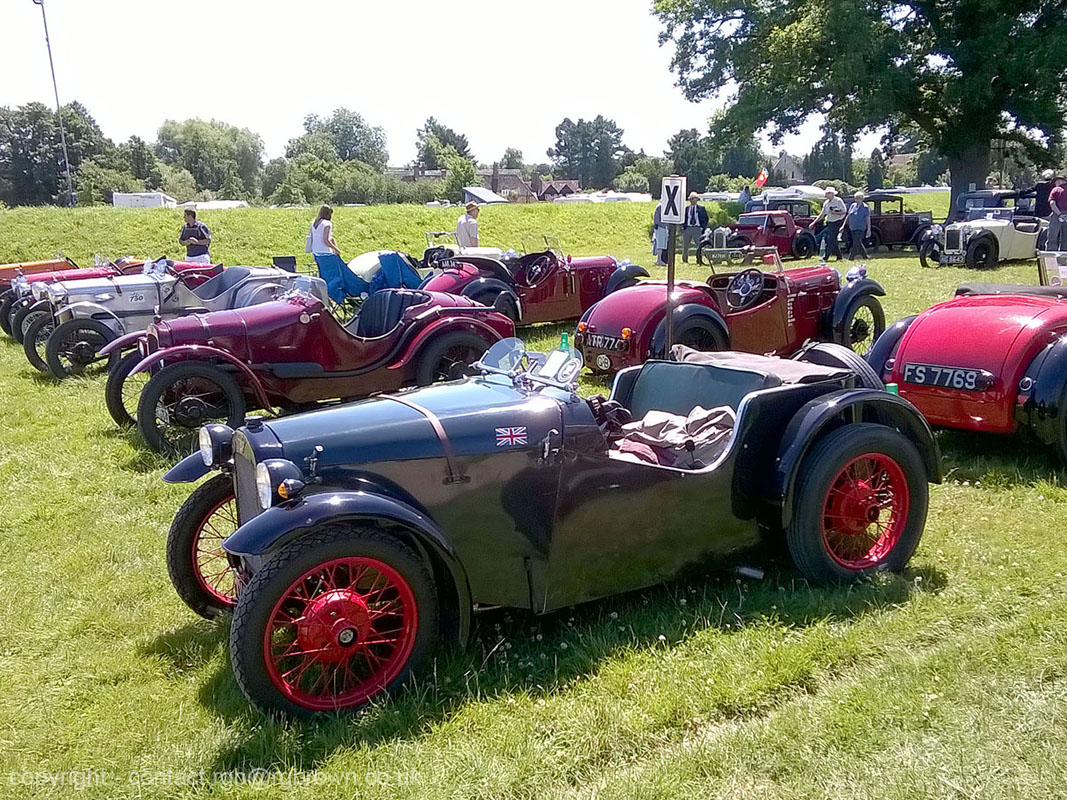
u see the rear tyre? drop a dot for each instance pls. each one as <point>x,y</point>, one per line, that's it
<point>982,254</point>
<point>702,336</point>
<point>122,391</point>
<point>449,357</point>
<point>930,254</point>
<point>333,621</point>
<point>864,322</point>
<point>20,316</point>
<point>7,299</point>
<point>180,398</point>
<point>500,302</point>
<point>74,348</point>
<point>197,563</point>
<point>35,340</point>
<point>859,506</point>
<point>803,246</point>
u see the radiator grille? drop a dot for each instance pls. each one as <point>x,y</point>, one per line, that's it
<point>952,239</point>
<point>244,479</point>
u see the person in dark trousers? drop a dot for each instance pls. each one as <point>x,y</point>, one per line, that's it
<point>859,226</point>
<point>834,212</point>
<point>659,236</point>
<point>696,222</point>
<point>1057,220</point>
<point>195,237</point>
<point>1042,190</point>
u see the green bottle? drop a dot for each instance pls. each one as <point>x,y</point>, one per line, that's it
<point>565,341</point>
<point>892,388</point>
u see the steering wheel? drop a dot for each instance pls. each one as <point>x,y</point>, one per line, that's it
<point>745,289</point>
<point>537,270</point>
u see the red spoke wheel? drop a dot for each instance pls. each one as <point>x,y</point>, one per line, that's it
<point>333,621</point>
<point>860,504</point>
<point>198,566</point>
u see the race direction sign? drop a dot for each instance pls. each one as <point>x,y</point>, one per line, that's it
<point>672,195</point>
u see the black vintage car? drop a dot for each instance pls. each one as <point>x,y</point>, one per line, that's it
<point>369,531</point>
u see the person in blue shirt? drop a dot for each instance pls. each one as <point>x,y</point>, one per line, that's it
<point>859,226</point>
<point>195,237</point>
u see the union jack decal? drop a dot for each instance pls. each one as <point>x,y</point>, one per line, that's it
<point>509,437</point>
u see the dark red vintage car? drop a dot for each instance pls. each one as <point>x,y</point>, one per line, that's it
<point>891,225</point>
<point>772,228</point>
<point>293,353</point>
<point>8,272</point>
<point>768,311</point>
<point>537,287</point>
<point>991,359</point>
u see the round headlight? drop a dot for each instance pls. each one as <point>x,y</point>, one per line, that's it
<point>207,452</point>
<point>263,486</point>
<point>216,444</point>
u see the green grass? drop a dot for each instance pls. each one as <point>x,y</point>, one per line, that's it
<point>946,682</point>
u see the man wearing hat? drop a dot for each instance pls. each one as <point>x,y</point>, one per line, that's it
<point>696,222</point>
<point>834,212</point>
<point>1057,220</point>
<point>1042,190</point>
<point>467,227</point>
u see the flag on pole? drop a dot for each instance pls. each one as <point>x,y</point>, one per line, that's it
<point>762,177</point>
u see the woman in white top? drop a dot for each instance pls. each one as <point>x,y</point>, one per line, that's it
<point>321,244</point>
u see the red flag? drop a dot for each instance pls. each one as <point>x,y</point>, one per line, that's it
<point>762,178</point>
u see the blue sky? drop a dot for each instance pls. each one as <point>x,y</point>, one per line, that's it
<point>503,72</point>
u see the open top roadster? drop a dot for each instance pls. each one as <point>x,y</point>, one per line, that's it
<point>536,287</point>
<point>8,272</point>
<point>293,353</point>
<point>983,238</point>
<point>993,358</point>
<point>369,531</point>
<point>758,310</point>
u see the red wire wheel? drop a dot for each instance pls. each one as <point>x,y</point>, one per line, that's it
<point>340,633</point>
<point>865,511</point>
<point>859,503</point>
<point>211,567</point>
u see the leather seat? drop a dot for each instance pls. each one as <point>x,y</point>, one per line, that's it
<point>679,388</point>
<point>383,310</point>
<point>221,283</point>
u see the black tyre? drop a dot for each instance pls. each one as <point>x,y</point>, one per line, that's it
<point>333,621</point>
<point>982,254</point>
<point>864,322</point>
<point>74,348</point>
<point>21,315</point>
<point>7,299</point>
<point>701,335</point>
<point>180,398</point>
<point>830,354</point>
<point>859,506</point>
<point>35,340</point>
<point>123,392</point>
<point>448,357</point>
<point>803,246</point>
<point>930,254</point>
<point>738,241</point>
<point>500,302</point>
<point>628,282</point>
<point>197,563</point>
<point>874,241</point>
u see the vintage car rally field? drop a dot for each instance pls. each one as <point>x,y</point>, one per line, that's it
<point>945,680</point>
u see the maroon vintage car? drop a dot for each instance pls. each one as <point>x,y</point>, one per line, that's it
<point>537,287</point>
<point>771,228</point>
<point>293,353</point>
<point>891,225</point>
<point>770,311</point>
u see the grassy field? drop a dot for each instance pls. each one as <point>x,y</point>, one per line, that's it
<point>949,681</point>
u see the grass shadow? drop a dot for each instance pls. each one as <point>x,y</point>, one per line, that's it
<point>190,647</point>
<point>997,460</point>
<point>514,652</point>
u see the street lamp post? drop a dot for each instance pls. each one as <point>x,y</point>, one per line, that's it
<point>71,197</point>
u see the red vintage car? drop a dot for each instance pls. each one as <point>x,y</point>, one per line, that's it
<point>991,359</point>
<point>8,272</point>
<point>771,228</point>
<point>293,354</point>
<point>770,311</point>
<point>537,287</point>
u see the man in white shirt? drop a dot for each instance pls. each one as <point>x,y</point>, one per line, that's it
<point>834,212</point>
<point>467,227</point>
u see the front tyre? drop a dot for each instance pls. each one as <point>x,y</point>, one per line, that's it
<point>860,504</point>
<point>7,299</point>
<point>333,621</point>
<point>35,341</point>
<point>23,313</point>
<point>74,348</point>
<point>864,322</point>
<point>123,391</point>
<point>930,254</point>
<point>197,563</point>
<point>449,357</point>
<point>180,398</point>
<point>803,246</point>
<point>982,254</point>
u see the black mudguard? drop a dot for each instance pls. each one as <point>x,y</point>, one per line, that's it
<point>623,274</point>
<point>885,346</point>
<point>849,293</point>
<point>855,405</point>
<point>189,469</point>
<point>263,535</point>
<point>494,285</point>
<point>685,313</point>
<point>1048,375</point>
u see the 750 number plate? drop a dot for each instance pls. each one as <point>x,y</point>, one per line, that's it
<point>968,380</point>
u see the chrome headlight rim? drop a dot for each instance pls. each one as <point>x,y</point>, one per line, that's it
<point>216,444</point>
<point>271,474</point>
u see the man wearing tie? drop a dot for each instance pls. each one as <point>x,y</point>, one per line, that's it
<point>696,221</point>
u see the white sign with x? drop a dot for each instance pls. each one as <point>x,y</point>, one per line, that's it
<point>672,198</point>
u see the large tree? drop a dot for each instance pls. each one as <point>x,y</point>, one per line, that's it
<point>428,152</point>
<point>964,72</point>
<point>590,151</point>
<point>220,157</point>
<point>347,134</point>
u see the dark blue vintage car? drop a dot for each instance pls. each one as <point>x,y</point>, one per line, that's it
<point>359,535</point>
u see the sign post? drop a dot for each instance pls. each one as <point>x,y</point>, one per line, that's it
<point>672,202</point>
